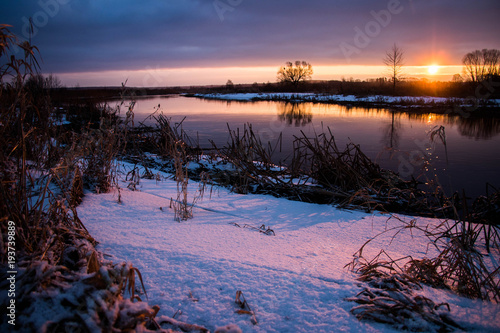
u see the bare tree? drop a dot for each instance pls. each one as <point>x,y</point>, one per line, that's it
<point>473,68</point>
<point>394,60</point>
<point>457,78</point>
<point>479,64</point>
<point>294,73</point>
<point>492,61</point>
<point>52,81</point>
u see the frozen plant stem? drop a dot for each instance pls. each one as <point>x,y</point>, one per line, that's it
<point>182,211</point>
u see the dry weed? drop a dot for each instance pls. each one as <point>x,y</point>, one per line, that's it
<point>244,307</point>
<point>458,266</point>
<point>390,298</point>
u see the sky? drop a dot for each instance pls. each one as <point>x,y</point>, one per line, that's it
<point>191,42</point>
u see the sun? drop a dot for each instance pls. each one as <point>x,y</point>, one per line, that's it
<point>433,69</point>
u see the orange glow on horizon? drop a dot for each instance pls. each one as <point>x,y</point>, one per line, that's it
<point>433,69</point>
<point>244,75</point>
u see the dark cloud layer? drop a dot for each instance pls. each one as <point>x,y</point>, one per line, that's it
<point>95,35</point>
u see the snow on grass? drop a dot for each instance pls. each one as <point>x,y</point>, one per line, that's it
<point>295,281</point>
<point>337,98</point>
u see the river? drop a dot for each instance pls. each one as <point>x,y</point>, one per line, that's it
<point>468,158</point>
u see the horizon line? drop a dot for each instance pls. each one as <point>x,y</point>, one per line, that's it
<point>202,76</point>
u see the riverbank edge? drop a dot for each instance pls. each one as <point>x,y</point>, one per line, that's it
<point>465,107</point>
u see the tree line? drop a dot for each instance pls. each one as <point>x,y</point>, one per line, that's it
<point>479,65</point>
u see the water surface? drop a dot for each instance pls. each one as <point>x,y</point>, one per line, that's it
<point>397,141</point>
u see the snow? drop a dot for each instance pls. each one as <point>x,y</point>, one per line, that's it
<point>294,281</point>
<point>336,98</point>
<point>231,328</point>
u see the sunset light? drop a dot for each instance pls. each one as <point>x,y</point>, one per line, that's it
<point>352,149</point>
<point>433,69</point>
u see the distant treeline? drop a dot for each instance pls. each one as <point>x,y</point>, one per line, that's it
<point>488,89</point>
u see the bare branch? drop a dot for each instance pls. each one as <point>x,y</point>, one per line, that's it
<point>480,64</point>
<point>394,60</point>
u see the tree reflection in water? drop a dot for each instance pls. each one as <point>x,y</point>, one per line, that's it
<point>298,114</point>
<point>392,133</point>
<point>479,128</point>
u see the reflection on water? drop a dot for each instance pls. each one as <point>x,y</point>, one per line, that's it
<point>396,140</point>
<point>391,133</point>
<point>298,114</point>
<point>302,114</point>
<point>471,127</point>
<point>479,128</point>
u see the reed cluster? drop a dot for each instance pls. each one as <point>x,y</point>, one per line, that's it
<point>390,297</point>
<point>460,265</point>
<point>45,164</point>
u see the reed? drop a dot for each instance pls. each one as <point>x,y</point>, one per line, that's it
<point>347,169</point>
<point>182,209</point>
<point>321,172</point>
<point>390,298</point>
<point>253,169</point>
<point>352,180</point>
<point>458,266</point>
<point>44,167</point>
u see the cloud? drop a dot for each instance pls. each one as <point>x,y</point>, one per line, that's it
<point>96,35</point>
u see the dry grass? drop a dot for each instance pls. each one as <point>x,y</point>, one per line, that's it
<point>173,145</point>
<point>346,177</point>
<point>346,170</point>
<point>160,139</point>
<point>182,209</point>
<point>459,266</point>
<point>352,180</point>
<point>460,263</point>
<point>94,303</point>
<point>390,298</point>
<point>244,307</point>
<point>253,169</point>
<point>322,172</point>
<point>43,171</point>
<point>262,229</point>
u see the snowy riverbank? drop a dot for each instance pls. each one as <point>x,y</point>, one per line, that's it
<point>373,100</point>
<point>294,281</point>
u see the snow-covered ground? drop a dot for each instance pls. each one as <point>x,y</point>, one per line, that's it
<point>294,281</point>
<point>405,101</point>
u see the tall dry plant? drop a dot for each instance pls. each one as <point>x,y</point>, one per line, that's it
<point>182,209</point>
<point>42,172</point>
<point>171,143</point>
<point>25,127</point>
<point>352,179</point>
<point>43,167</point>
<point>252,162</point>
<point>460,262</point>
<point>182,206</point>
